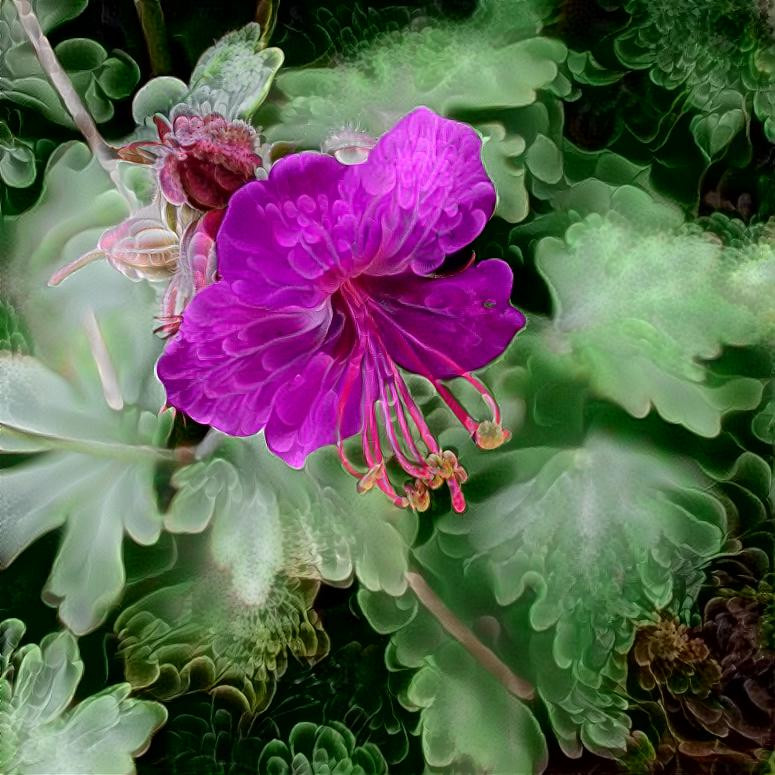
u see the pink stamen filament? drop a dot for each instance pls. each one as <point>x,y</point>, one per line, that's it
<point>424,473</point>
<point>350,377</point>
<point>391,404</point>
<point>411,467</point>
<point>401,416</point>
<point>372,450</point>
<point>456,407</point>
<point>419,367</point>
<point>414,412</point>
<point>402,419</point>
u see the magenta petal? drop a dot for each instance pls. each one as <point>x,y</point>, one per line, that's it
<point>283,242</point>
<point>422,194</point>
<point>241,368</point>
<point>230,359</point>
<point>305,413</point>
<point>444,326</point>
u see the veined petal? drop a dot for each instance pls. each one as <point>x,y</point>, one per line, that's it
<point>421,194</point>
<point>286,241</point>
<point>230,358</point>
<point>445,326</point>
<point>325,292</point>
<point>309,409</point>
<point>241,368</point>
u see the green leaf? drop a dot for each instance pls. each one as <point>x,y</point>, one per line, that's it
<point>561,553</point>
<point>714,131</point>
<point>319,750</point>
<point>763,424</point>
<point>43,732</point>
<point>272,532</point>
<point>249,599</point>
<point>467,718</point>
<point>99,474</point>
<point>544,160</point>
<point>13,336</point>
<point>79,54</point>
<point>77,204</point>
<point>491,71</point>
<point>639,307</point>
<point>717,56</point>
<point>159,95</point>
<point>234,75</point>
<point>98,425</point>
<point>52,13</point>
<point>17,160</point>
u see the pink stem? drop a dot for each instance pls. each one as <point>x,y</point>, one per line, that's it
<point>72,102</point>
<point>74,266</point>
<point>463,635</point>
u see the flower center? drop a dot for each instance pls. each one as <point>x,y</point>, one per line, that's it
<point>392,421</point>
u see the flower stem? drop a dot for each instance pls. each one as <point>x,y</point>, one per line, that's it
<point>208,444</point>
<point>483,655</point>
<point>266,16</point>
<point>154,28</point>
<point>114,450</point>
<point>72,102</point>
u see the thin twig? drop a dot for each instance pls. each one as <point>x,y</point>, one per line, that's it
<point>208,444</point>
<point>104,154</point>
<point>111,388</point>
<point>154,29</point>
<point>104,449</point>
<point>266,16</point>
<point>483,655</point>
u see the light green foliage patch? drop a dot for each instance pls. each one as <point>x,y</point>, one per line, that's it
<point>272,534</point>
<point>17,160</point>
<point>719,53</point>
<point>560,554</point>
<point>643,302</point>
<point>40,728</point>
<point>320,750</point>
<point>98,472</point>
<point>89,399</point>
<point>493,71</point>
<point>232,78</point>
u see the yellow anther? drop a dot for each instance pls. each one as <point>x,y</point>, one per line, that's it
<point>369,479</point>
<point>490,435</point>
<point>418,496</point>
<point>444,467</point>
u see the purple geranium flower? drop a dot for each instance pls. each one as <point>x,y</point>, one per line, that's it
<point>326,292</point>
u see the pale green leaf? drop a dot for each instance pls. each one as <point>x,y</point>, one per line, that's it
<point>44,734</point>
<point>641,309</point>
<point>234,76</point>
<point>493,71</point>
<point>99,474</point>
<point>469,723</point>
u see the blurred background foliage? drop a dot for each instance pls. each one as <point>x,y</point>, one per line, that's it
<point>613,576</point>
